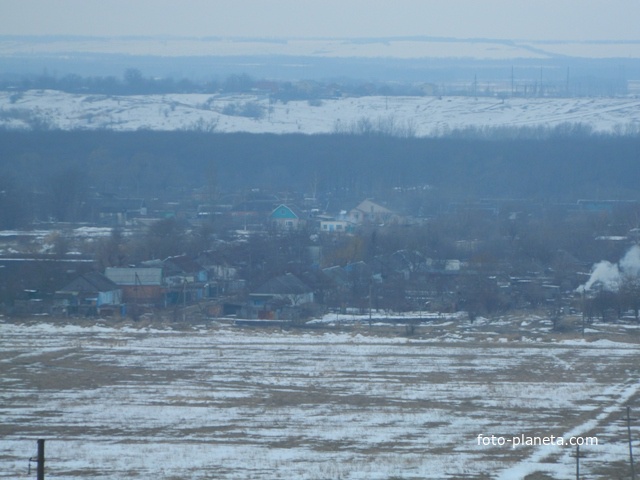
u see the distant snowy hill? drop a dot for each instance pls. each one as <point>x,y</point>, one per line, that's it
<point>383,47</point>
<point>421,116</point>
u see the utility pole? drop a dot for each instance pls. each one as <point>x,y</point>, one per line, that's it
<point>578,456</point>
<point>584,320</point>
<point>39,460</point>
<point>633,473</point>
<point>184,299</point>
<point>512,82</point>
<point>40,470</point>
<point>370,300</point>
<point>540,92</point>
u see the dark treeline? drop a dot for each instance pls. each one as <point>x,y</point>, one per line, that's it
<point>133,82</point>
<point>49,175</point>
<point>418,78</point>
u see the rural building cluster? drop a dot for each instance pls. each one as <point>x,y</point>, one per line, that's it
<point>267,257</point>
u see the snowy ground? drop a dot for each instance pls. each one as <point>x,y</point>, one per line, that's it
<point>213,401</point>
<point>420,115</point>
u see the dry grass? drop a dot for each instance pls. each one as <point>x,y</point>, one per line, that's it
<point>297,399</point>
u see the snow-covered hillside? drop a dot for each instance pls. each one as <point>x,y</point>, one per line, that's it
<point>419,116</point>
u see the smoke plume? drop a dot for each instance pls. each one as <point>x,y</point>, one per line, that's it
<point>609,276</point>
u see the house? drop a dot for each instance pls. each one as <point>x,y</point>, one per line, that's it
<point>286,217</point>
<point>340,286</point>
<point>112,210</point>
<point>280,293</point>
<point>90,294</point>
<point>335,226</point>
<point>249,212</point>
<point>369,212</point>
<point>338,277</point>
<point>223,276</point>
<point>186,279</point>
<point>402,263</point>
<point>183,266</point>
<point>140,285</point>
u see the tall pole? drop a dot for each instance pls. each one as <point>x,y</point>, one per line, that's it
<point>633,474</point>
<point>40,470</point>
<point>540,93</point>
<point>583,312</point>
<point>184,299</point>
<point>370,300</point>
<point>512,82</point>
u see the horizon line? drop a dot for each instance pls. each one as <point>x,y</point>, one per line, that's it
<point>279,39</point>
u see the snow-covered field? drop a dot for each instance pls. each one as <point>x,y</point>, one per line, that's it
<point>213,401</point>
<point>421,116</point>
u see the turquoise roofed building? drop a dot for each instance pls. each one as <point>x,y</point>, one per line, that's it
<point>286,217</point>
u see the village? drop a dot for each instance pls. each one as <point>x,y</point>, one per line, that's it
<point>267,258</point>
<point>319,240</point>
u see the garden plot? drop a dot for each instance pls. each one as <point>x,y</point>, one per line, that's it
<point>219,402</point>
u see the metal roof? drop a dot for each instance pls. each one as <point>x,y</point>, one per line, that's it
<point>134,276</point>
<point>90,282</point>
<point>283,285</point>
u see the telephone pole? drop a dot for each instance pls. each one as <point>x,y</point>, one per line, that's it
<point>39,460</point>
<point>40,471</point>
<point>633,473</point>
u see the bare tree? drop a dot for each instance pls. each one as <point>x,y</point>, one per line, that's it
<point>111,252</point>
<point>630,294</point>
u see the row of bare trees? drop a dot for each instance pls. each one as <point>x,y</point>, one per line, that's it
<point>611,305</point>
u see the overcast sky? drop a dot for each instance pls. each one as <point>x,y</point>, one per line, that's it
<point>508,19</point>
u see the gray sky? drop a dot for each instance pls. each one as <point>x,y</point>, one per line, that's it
<point>510,19</point>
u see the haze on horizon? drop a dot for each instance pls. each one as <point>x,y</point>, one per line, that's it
<point>557,20</point>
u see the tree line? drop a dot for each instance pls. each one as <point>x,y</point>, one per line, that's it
<point>506,206</point>
<point>50,175</point>
<point>134,82</point>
